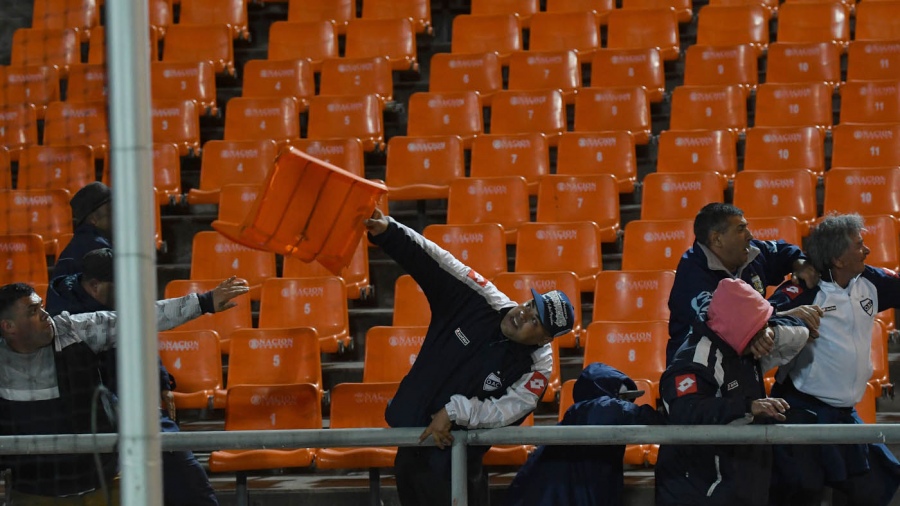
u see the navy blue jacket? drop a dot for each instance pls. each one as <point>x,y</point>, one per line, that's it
<point>86,238</point>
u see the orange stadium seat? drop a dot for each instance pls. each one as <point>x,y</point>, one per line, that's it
<point>23,259</point>
<point>796,104</point>
<point>870,102</point>
<point>525,155</point>
<point>866,408</point>
<point>223,323</point>
<point>774,193</point>
<point>422,167</point>
<point>43,212</point>
<point>522,9</point>
<point>565,398</point>
<point>97,46</point>
<point>410,304</point>
<point>195,359</point>
<point>355,274</point>
<point>564,31</point>
<point>600,8</point>
<point>697,151</point>
<point>57,48</point>
<point>357,76</point>
<point>37,85</point>
<point>879,356</point>
<point>500,33</point>
<point>573,246</point>
<point>394,39</point>
<point>638,349</point>
<point>682,8</point>
<point>315,41</point>
<point>644,28</point>
<point>872,60</point>
<point>583,153</point>
<point>729,25</point>
<point>867,191</point>
<point>275,356</point>
<point>882,236</point>
<point>632,296</point>
<point>877,21</point>
<point>517,286</point>
<point>417,11</point>
<point>177,122</point>
<point>513,455</point>
<point>679,195</point>
<point>236,201</point>
<point>213,256</point>
<point>656,244</point>
<point>319,302</point>
<point>814,22</point>
<point>232,13</point>
<point>160,16</point>
<point>536,70</point>
<point>345,153</point>
<point>857,146</point>
<point>167,173</point>
<point>518,112</point>
<point>18,128</point>
<point>589,197</point>
<point>770,5</point>
<point>347,116</point>
<point>452,113</point>
<point>721,65</point>
<point>339,12</point>
<point>193,43</point>
<point>68,123</point>
<point>279,78</point>
<point>773,229</point>
<point>781,148</point>
<point>66,167</point>
<point>481,246</point>
<point>611,109</point>
<point>630,67</point>
<point>390,352</point>
<point>87,83</point>
<point>232,162</point>
<point>812,62</point>
<point>81,15</point>
<point>5,170</point>
<point>358,406</point>
<point>709,108</point>
<point>276,118</point>
<point>502,200</point>
<point>478,72</point>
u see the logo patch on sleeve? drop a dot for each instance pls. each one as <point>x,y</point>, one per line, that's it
<point>686,384</point>
<point>536,383</point>
<point>477,278</point>
<point>792,291</point>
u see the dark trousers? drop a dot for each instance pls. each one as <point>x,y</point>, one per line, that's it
<point>184,481</point>
<point>422,483</point>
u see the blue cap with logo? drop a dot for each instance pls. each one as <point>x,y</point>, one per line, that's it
<point>555,310</point>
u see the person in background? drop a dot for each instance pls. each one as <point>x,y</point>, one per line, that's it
<point>92,227</point>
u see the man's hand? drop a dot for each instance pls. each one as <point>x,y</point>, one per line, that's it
<point>228,290</point>
<point>809,315</point>
<point>762,343</point>
<point>377,224</point>
<point>439,428</point>
<point>168,401</point>
<point>805,271</point>
<point>771,407</point>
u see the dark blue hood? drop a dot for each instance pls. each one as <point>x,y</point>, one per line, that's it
<point>598,380</point>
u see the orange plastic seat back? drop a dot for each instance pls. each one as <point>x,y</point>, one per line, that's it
<point>86,83</point>
<point>391,38</point>
<point>344,153</point>
<point>729,25</point>
<point>525,155</point>
<point>18,128</point>
<point>630,67</point>
<point>411,307</point>
<point>718,65</point>
<point>697,151</point>
<point>281,356</point>
<point>502,200</point>
<point>499,33</point>
<point>876,21</point>
<point>600,8</point>
<point>773,193</point>
<point>347,116</point>
<point>177,121</point>
<point>23,259</point>
<point>517,286</point>
<point>466,72</point>
<point>320,303</point>
<point>679,195</point>
<point>565,398</point>
<point>803,63</point>
<point>59,48</point>
<point>232,162</point>
<point>523,9</point>
<point>357,76</point>
<point>638,349</point>
<point>195,359</point>
<point>279,78</point>
<point>564,31</point>
<point>215,256</point>
<point>66,167</point>
<point>77,123</point>
<point>360,405</point>
<point>223,323</point>
<point>882,236</point>
<point>644,28</point>
<point>97,46</point>
<point>633,295</point>
<point>167,173</point>
<point>276,118</point>
<point>586,197</point>
<point>534,70</point>
<point>709,108</point>
<point>870,102</point>
<point>814,22</point>
<point>355,274</point>
<point>782,148</point>
<point>584,153</point>
<point>419,11</point>
<point>236,201</point>
<point>207,42</point>
<point>772,229</point>
<point>5,170</point>
<point>456,113</point>
<point>311,40</point>
<point>879,355</point>
<point>518,112</point>
<point>798,104</point>
<point>872,60</point>
<point>32,84</point>
<point>81,15</point>
<point>656,244</point>
<point>608,109</point>
<point>481,246</point>
<point>390,352</point>
<point>338,12</point>
<point>422,167</point>
<point>682,8</point>
<point>273,407</point>
<point>867,191</point>
<point>573,246</point>
<point>866,408</point>
<point>230,12</point>
<point>861,146</point>
<point>160,16</point>
<point>43,212</point>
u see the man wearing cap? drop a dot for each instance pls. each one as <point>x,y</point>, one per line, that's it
<point>484,363</point>
<point>92,222</point>
<point>715,379</point>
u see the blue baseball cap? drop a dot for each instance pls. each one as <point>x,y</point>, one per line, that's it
<point>555,310</point>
